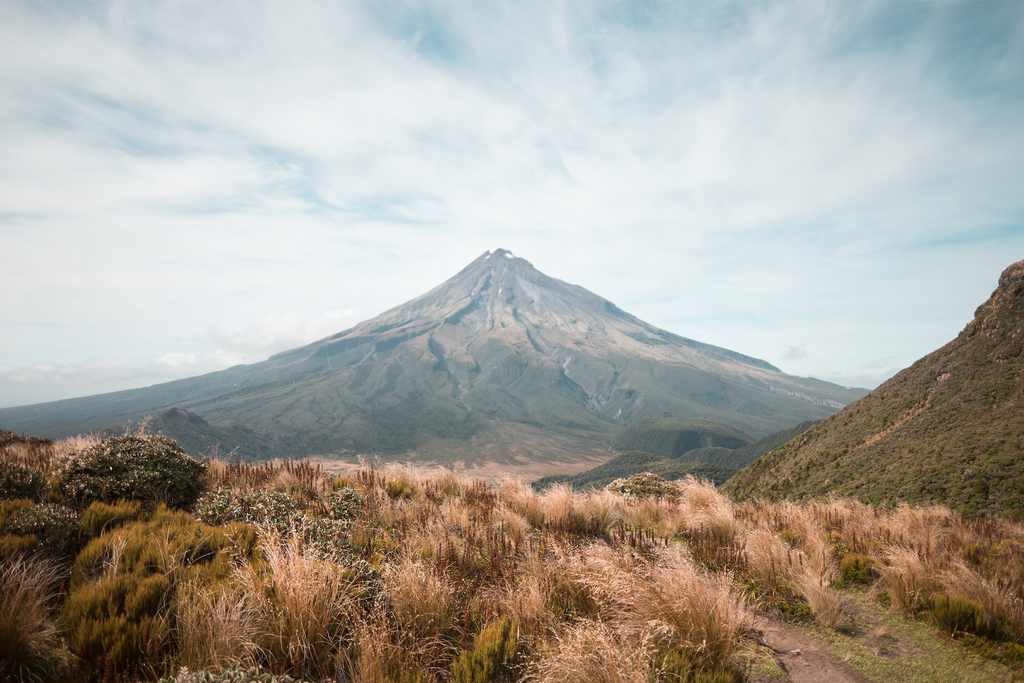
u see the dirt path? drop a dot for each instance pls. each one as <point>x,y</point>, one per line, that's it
<point>803,660</point>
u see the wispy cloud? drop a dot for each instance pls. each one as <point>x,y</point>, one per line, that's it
<point>795,353</point>
<point>744,174</point>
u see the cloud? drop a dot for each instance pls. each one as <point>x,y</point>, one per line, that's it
<point>795,353</point>
<point>741,174</point>
<point>50,381</point>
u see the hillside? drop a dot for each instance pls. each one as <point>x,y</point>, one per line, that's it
<point>949,429</point>
<point>633,462</point>
<point>671,438</point>
<point>199,438</point>
<point>714,463</point>
<point>498,343</point>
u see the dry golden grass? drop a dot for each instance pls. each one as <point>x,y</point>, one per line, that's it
<point>28,636</point>
<point>301,607</point>
<point>421,599</point>
<point>597,585</point>
<point>215,628</point>
<point>594,652</point>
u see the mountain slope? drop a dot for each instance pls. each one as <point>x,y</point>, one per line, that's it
<point>199,438</point>
<point>500,341</point>
<point>949,429</point>
<point>743,456</point>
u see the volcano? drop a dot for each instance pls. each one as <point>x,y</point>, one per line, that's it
<point>498,344</point>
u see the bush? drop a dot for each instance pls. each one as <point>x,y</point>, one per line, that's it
<point>56,527</point>
<point>644,485</point>
<point>232,675</point>
<point>265,509</point>
<point>17,481</point>
<point>123,585</point>
<point>957,614</point>
<point>343,503</point>
<point>144,468</point>
<point>100,517</point>
<point>856,568</point>
<point>490,659</point>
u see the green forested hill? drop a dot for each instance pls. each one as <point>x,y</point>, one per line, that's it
<point>949,429</point>
<point>199,438</point>
<point>671,438</point>
<point>632,462</point>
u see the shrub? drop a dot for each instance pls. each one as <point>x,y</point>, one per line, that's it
<point>643,485</point>
<point>856,568</point>
<point>491,657</point>
<point>144,468</point>
<point>100,517</point>
<point>17,481</point>
<point>343,503</point>
<point>957,614</point>
<point>123,585</point>
<point>29,647</point>
<point>232,675</point>
<point>56,527</point>
<point>265,509</point>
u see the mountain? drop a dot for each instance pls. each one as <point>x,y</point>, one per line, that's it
<point>499,354</point>
<point>949,429</point>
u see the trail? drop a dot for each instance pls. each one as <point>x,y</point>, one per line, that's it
<point>803,660</point>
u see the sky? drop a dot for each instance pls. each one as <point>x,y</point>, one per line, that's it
<point>833,187</point>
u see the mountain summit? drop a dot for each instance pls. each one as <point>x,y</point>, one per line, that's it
<point>498,343</point>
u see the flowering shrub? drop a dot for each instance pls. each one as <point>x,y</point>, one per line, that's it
<point>264,509</point>
<point>232,675</point>
<point>343,504</point>
<point>17,481</point>
<point>56,526</point>
<point>146,468</point>
<point>644,485</point>
<point>328,531</point>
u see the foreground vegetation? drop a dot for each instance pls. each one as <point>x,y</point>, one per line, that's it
<point>198,571</point>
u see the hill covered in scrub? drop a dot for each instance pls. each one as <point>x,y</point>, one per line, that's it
<point>672,438</point>
<point>634,462</point>
<point>713,463</point>
<point>198,437</point>
<point>500,342</point>
<point>949,429</point>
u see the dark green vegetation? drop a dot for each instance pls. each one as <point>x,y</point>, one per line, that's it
<point>689,440</point>
<point>198,437</point>
<point>634,462</point>
<point>499,341</point>
<point>672,438</point>
<point>129,467</point>
<point>949,429</point>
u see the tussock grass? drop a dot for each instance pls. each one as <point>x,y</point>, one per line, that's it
<point>216,628</point>
<point>300,607</point>
<point>393,574</point>
<point>28,637</point>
